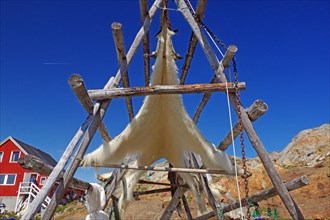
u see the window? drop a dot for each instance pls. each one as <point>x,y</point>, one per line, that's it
<point>43,180</point>
<point>14,156</point>
<point>1,156</point>
<point>7,179</point>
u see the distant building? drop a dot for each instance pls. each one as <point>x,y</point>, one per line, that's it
<point>13,176</point>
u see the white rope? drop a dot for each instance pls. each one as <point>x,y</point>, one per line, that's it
<point>234,150</point>
<point>231,131</point>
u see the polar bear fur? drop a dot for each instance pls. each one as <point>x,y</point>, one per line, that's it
<point>161,129</point>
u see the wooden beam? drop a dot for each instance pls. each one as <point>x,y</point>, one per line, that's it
<point>203,102</point>
<point>260,196</point>
<point>33,163</point>
<point>201,4</point>
<point>153,191</point>
<point>162,89</point>
<point>121,56</point>
<point>254,139</point>
<point>161,169</point>
<point>146,48</point>
<point>230,53</point>
<point>53,177</point>
<point>173,204</point>
<point>255,111</point>
<point>78,86</point>
<point>93,120</point>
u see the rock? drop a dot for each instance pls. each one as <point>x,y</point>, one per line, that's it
<point>308,148</point>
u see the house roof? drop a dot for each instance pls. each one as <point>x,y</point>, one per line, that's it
<point>28,149</point>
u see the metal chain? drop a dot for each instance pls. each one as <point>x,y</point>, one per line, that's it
<point>240,123</point>
<point>245,175</point>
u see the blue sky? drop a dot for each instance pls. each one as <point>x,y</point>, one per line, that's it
<point>283,57</point>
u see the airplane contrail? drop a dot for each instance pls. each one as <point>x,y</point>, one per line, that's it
<point>56,63</point>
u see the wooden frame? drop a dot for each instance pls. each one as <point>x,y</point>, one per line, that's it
<point>79,143</point>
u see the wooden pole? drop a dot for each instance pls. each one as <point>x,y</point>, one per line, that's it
<point>201,4</point>
<point>146,49</point>
<point>255,111</point>
<point>78,86</point>
<point>54,176</point>
<point>230,53</point>
<point>121,56</point>
<point>94,120</point>
<point>254,139</point>
<point>33,163</point>
<point>162,169</point>
<point>173,204</point>
<point>260,196</point>
<point>103,94</point>
<point>203,102</point>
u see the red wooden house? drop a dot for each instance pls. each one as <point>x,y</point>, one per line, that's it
<point>12,174</point>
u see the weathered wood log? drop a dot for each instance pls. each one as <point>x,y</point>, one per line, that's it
<point>121,56</point>
<point>260,196</point>
<point>173,204</point>
<point>230,53</point>
<point>146,48</point>
<point>161,169</point>
<point>201,5</point>
<point>78,86</point>
<point>186,207</point>
<point>103,94</point>
<point>255,111</point>
<point>153,191</point>
<point>33,163</point>
<point>94,120</point>
<point>203,102</point>
<point>53,177</point>
<point>161,184</point>
<point>254,139</point>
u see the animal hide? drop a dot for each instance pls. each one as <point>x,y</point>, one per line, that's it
<point>95,202</point>
<point>161,129</point>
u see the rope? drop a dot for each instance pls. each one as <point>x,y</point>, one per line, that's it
<point>234,151</point>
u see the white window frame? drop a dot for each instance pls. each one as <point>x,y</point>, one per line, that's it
<point>1,157</point>
<point>11,156</point>
<point>43,180</point>
<point>6,179</point>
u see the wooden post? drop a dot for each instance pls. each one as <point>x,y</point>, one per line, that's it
<point>254,139</point>
<point>54,176</point>
<point>203,179</point>
<point>146,49</point>
<point>103,94</point>
<point>260,196</point>
<point>201,4</point>
<point>255,111</point>
<point>33,163</point>
<point>121,56</point>
<point>173,204</point>
<point>78,86</point>
<point>230,53</point>
<point>93,120</point>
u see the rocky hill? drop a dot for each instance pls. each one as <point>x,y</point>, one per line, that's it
<point>309,148</point>
<point>307,154</point>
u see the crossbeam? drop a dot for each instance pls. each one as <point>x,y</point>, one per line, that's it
<point>103,94</point>
<point>78,86</point>
<point>255,111</point>
<point>162,169</point>
<point>260,196</point>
